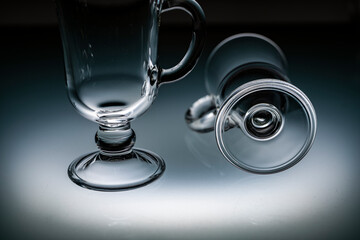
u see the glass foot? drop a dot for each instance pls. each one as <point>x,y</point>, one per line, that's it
<point>276,126</point>
<point>101,172</point>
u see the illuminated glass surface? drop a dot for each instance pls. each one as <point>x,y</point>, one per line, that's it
<point>200,196</point>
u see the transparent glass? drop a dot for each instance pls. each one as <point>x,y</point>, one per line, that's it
<point>112,77</point>
<point>262,123</point>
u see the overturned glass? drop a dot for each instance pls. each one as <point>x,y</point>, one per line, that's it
<point>112,75</point>
<point>263,123</point>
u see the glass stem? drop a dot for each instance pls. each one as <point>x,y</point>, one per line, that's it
<point>115,140</point>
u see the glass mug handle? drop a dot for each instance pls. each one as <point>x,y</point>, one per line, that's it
<point>202,114</point>
<point>197,43</point>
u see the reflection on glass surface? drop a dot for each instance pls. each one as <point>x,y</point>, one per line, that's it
<point>262,123</point>
<point>319,198</point>
<point>110,50</point>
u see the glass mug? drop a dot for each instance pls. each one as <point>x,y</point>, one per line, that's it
<point>263,123</point>
<point>112,77</point>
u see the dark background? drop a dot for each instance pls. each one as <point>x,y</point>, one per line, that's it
<point>325,21</point>
<point>200,196</point>
<point>226,12</point>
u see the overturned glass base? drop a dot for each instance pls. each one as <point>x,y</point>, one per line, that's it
<point>101,172</point>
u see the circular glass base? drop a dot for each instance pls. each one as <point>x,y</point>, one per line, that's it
<point>116,172</point>
<point>275,126</point>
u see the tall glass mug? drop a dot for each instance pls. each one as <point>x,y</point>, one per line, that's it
<point>262,123</point>
<point>112,77</point>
